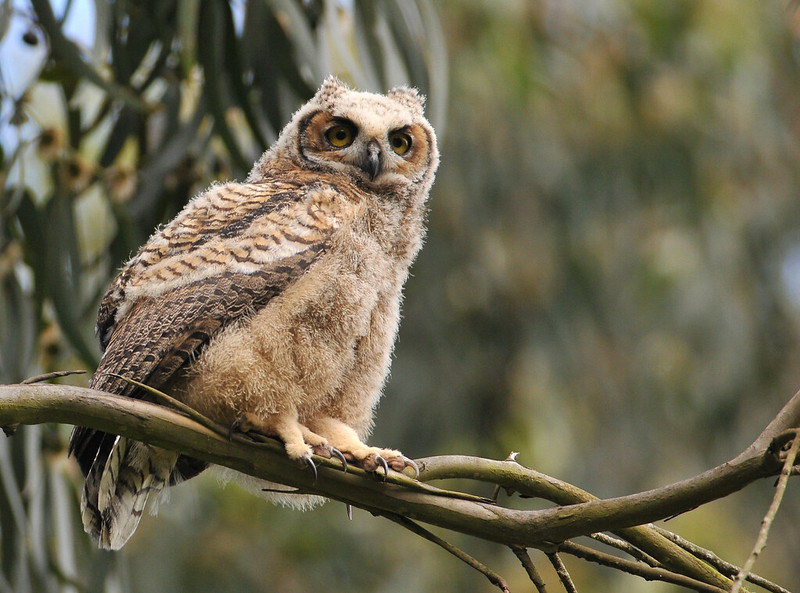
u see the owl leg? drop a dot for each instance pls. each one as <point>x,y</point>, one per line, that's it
<point>298,440</point>
<point>343,438</point>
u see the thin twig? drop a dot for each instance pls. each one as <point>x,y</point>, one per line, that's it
<point>493,577</point>
<point>624,546</point>
<point>533,574</point>
<point>649,573</point>
<point>766,523</point>
<point>48,376</point>
<point>720,564</point>
<point>562,572</point>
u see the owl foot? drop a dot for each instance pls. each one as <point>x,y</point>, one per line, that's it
<point>343,438</point>
<point>329,452</point>
<point>325,451</point>
<point>398,462</point>
<point>298,440</point>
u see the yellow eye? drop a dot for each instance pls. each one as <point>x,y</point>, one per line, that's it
<point>340,135</point>
<point>400,142</point>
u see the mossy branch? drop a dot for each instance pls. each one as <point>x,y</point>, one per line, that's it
<point>577,512</point>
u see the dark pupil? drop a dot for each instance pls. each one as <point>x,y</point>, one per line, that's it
<point>398,142</point>
<point>341,135</point>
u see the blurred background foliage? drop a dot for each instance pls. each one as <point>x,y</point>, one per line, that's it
<point>611,282</point>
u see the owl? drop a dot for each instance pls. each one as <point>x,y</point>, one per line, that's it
<point>270,305</point>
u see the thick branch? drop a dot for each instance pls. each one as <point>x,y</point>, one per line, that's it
<point>32,404</point>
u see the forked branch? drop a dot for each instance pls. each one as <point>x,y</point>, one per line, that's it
<point>577,512</point>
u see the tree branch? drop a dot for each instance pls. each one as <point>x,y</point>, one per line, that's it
<point>648,573</point>
<point>533,574</point>
<point>763,533</point>
<point>403,496</point>
<point>494,578</point>
<point>788,418</point>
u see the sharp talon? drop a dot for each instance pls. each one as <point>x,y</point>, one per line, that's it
<point>349,510</point>
<point>385,465</point>
<point>412,463</point>
<point>308,459</point>
<point>234,427</point>
<point>340,456</point>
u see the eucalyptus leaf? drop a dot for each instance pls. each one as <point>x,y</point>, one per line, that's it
<point>126,125</point>
<point>69,53</point>
<point>187,33</point>
<point>63,268</point>
<point>161,161</point>
<point>237,69</point>
<point>370,50</point>
<point>214,23</point>
<point>17,330</point>
<point>298,30</point>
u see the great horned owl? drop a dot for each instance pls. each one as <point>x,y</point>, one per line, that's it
<point>270,305</point>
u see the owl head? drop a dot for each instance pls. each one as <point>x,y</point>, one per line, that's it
<point>382,142</point>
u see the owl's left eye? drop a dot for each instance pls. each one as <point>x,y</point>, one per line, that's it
<point>400,142</point>
<point>341,135</point>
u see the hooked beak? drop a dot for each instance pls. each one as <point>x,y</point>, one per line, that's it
<point>371,162</point>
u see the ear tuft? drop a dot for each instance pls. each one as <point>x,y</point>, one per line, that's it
<point>331,88</point>
<point>410,97</point>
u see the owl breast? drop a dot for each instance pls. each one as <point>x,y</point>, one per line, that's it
<point>321,348</point>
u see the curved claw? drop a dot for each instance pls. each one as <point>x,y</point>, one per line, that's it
<point>310,461</point>
<point>411,463</point>
<point>340,456</point>
<point>234,427</point>
<point>385,465</point>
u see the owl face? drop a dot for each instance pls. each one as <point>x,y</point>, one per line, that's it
<point>382,142</point>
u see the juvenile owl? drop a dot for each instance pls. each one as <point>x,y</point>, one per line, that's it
<point>270,305</point>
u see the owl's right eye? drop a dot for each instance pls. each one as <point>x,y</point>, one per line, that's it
<point>341,135</point>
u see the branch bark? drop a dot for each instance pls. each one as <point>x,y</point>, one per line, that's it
<point>578,513</point>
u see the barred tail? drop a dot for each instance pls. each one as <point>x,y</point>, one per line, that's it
<point>116,491</point>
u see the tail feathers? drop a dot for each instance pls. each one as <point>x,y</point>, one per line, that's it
<point>116,492</point>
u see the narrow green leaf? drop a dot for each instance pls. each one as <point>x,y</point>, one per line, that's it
<point>395,69</point>
<point>127,124</point>
<point>103,29</point>
<point>212,58</point>
<point>160,162</point>
<point>67,51</point>
<point>34,241</point>
<point>370,51</point>
<point>438,75</point>
<point>16,506</point>
<point>188,20</point>
<point>296,27</point>
<point>262,42</point>
<point>18,330</point>
<point>63,268</point>
<point>236,73</point>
